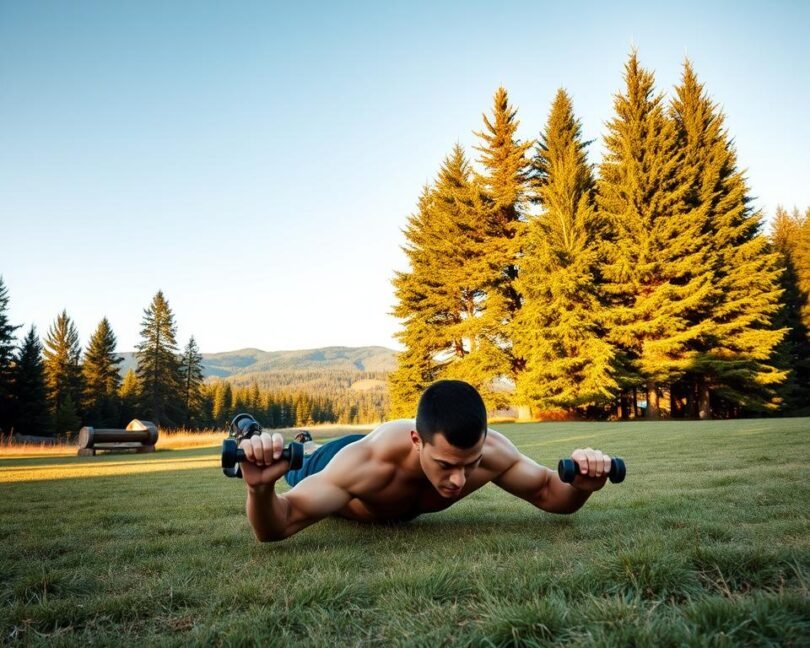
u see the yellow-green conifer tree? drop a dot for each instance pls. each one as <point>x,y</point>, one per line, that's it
<point>449,329</point>
<point>656,273</point>
<point>793,352</point>
<point>505,165</point>
<point>102,378</point>
<point>559,330</point>
<point>733,366</point>
<point>63,374</point>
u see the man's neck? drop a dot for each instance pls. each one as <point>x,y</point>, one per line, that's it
<point>411,464</point>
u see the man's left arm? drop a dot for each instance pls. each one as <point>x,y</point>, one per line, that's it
<point>524,478</point>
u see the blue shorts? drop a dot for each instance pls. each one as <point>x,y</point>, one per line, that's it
<point>317,461</point>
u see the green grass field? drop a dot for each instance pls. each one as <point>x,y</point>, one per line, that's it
<point>707,543</point>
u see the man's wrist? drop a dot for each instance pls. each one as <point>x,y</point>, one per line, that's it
<point>262,490</point>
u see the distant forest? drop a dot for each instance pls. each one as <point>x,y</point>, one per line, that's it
<point>56,387</point>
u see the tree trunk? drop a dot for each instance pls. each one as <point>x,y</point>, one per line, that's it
<point>635,402</point>
<point>652,400</point>
<point>704,404</point>
<point>624,405</point>
<point>691,399</point>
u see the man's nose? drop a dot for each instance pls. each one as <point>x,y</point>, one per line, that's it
<point>458,479</point>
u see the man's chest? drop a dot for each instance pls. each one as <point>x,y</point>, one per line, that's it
<point>404,499</point>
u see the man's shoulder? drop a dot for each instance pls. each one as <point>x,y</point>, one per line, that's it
<point>391,437</point>
<point>499,452</point>
<point>395,427</point>
<point>357,469</point>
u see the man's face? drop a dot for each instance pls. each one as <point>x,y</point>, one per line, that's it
<point>446,466</point>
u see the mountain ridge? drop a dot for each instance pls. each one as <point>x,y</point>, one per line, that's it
<point>250,360</point>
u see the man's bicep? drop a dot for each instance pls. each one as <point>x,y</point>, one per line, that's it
<point>524,478</point>
<point>313,499</point>
<point>321,494</point>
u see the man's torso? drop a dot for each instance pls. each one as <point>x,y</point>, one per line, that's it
<point>389,486</point>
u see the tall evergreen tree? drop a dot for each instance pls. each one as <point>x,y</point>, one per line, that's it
<point>31,395</point>
<point>559,329</point>
<point>161,387</point>
<point>66,419</point>
<point>801,260</point>
<point>734,353</point>
<point>128,397</point>
<point>505,163</point>
<point>205,412</point>
<point>223,404</point>
<point>7,345</point>
<point>191,373</point>
<point>449,328</point>
<point>63,374</point>
<point>794,349</point>
<point>102,378</point>
<point>657,271</point>
<point>416,367</point>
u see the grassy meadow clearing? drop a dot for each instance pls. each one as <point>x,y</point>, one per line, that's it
<point>707,543</point>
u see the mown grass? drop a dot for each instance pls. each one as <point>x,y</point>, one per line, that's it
<point>707,543</point>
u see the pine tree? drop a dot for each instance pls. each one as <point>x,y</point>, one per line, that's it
<point>191,373</point>
<point>205,412</point>
<point>801,257</point>
<point>505,181</point>
<point>449,328</point>
<point>102,378</point>
<point>254,398</point>
<point>559,328</point>
<point>66,418</point>
<point>223,402</point>
<point>128,395</point>
<point>416,367</point>
<point>63,374</point>
<point>414,373</point>
<point>733,359</point>
<point>161,387</point>
<point>793,352</point>
<point>656,273</point>
<point>29,389</point>
<point>7,344</point>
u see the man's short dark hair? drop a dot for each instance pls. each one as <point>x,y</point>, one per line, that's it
<point>453,408</point>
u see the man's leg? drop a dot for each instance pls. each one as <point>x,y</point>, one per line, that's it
<point>317,460</point>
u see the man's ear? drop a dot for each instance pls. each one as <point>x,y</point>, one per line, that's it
<point>416,439</point>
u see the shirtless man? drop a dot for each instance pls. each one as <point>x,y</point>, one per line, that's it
<point>405,468</point>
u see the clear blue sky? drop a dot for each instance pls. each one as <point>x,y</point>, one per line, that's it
<point>257,161</point>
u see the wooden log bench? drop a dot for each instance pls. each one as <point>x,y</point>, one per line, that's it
<point>140,436</point>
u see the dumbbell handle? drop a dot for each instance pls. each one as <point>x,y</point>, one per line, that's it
<point>233,455</point>
<point>240,456</point>
<point>568,469</point>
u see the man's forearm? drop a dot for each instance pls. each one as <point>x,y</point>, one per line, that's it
<point>267,512</point>
<point>560,497</point>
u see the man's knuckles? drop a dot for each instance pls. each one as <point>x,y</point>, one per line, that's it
<point>592,463</point>
<point>263,449</point>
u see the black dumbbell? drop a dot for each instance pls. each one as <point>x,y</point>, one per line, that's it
<point>568,469</point>
<point>232,455</point>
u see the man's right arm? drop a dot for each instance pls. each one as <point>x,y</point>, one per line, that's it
<point>275,517</point>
